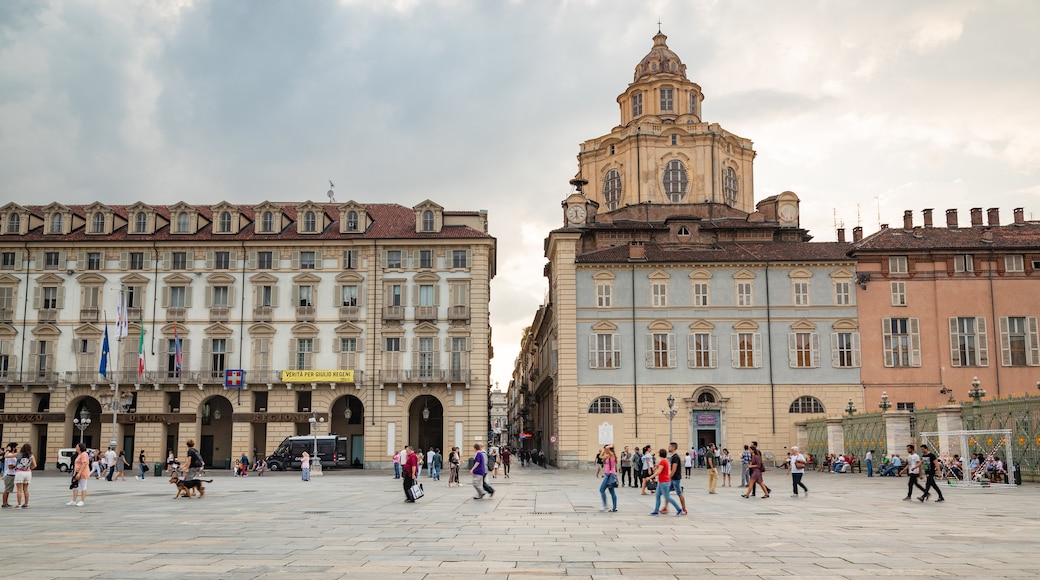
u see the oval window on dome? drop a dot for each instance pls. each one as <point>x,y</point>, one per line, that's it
<point>612,189</point>
<point>675,181</point>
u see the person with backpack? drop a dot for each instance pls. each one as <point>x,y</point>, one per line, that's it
<point>479,472</point>
<point>195,463</point>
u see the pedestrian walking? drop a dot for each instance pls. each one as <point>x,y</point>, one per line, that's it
<point>869,458</point>
<point>121,465</point>
<point>727,468</point>
<point>492,466</point>
<point>195,464</point>
<point>142,464</point>
<point>626,467</point>
<point>23,476</point>
<point>931,465</point>
<point>913,470</point>
<point>796,461</point>
<point>110,463</point>
<point>676,466</point>
<point>10,459</point>
<point>397,465</point>
<point>305,466</point>
<point>507,458</point>
<point>429,463</point>
<point>81,473</point>
<point>710,462</point>
<point>610,478</point>
<point>410,469</point>
<point>745,462</point>
<point>648,468</point>
<point>664,484</point>
<point>688,464</point>
<point>479,471</point>
<point>755,474</point>
<point>436,464</point>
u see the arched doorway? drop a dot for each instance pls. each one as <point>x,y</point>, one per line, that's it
<point>348,421</point>
<point>426,423</point>
<point>215,444</point>
<point>87,408</point>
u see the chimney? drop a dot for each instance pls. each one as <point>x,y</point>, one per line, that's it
<point>857,233</point>
<point>636,251</point>
<point>927,213</point>
<point>841,234</point>
<point>976,217</point>
<point>951,218</point>
<point>1020,217</point>
<point>908,220</point>
<point>993,215</point>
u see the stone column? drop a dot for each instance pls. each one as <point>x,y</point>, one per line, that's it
<point>948,418</point>
<point>801,436</point>
<point>897,432</point>
<point>835,435</point>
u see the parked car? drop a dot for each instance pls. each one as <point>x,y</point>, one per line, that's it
<point>65,459</point>
<point>331,449</point>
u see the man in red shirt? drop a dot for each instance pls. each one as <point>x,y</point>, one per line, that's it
<point>410,466</point>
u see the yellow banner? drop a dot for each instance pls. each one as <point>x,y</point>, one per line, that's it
<point>334,376</point>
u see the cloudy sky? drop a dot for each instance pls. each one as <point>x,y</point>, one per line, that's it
<point>860,107</point>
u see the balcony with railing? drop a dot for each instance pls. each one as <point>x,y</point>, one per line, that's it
<point>218,314</point>
<point>305,314</point>
<point>393,313</point>
<point>426,313</point>
<point>263,314</point>
<point>89,314</point>
<point>349,313</point>
<point>458,313</point>
<point>176,314</point>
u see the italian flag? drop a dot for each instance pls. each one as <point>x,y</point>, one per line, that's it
<point>140,354</point>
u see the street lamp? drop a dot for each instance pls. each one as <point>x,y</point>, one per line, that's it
<point>347,414</point>
<point>884,405</point>
<point>851,408</point>
<point>116,403</point>
<point>948,391</point>
<point>670,412</point>
<point>976,393</point>
<point>82,422</point>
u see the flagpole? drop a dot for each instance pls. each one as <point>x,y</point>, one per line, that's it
<point>119,354</point>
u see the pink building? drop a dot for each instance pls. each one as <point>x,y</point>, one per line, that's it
<point>939,306</point>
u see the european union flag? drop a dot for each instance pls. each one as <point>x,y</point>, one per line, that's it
<point>104,355</point>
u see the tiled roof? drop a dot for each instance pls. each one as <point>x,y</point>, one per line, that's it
<point>1023,236</point>
<point>726,252</point>
<point>389,221</point>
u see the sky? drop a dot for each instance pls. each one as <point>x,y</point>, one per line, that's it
<point>862,108</point>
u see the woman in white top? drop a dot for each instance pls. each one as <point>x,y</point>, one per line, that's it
<point>796,462</point>
<point>725,460</point>
<point>689,464</point>
<point>23,475</point>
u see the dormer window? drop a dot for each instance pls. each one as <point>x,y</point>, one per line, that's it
<point>140,223</point>
<point>267,223</point>
<point>56,223</point>
<point>427,221</point>
<point>352,221</point>
<point>99,223</point>
<point>225,222</point>
<point>182,222</point>
<point>308,222</point>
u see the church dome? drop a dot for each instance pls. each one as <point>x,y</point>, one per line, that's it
<point>660,60</point>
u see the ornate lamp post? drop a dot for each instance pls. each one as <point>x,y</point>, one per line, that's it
<point>884,405</point>
<point>948,391</point>
<point>315,460</point>
<point>670,412</point>
<point>976,393</point>
<point>851,408</point>
<point>82,422</point>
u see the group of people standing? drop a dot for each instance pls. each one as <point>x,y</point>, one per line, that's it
<point>18,466</point>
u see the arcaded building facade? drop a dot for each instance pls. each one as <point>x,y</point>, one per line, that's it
<point>249,314</point>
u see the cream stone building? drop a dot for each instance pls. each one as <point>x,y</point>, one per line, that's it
<point>245,317</point>
<point>668,282</point>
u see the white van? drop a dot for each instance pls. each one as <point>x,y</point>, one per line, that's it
<point>65,459</point>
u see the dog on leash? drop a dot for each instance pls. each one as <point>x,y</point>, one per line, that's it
<point>186,488</point>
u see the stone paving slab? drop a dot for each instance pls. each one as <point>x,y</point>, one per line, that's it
<point>540,524</point>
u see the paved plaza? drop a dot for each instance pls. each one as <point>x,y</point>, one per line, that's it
<point>540,523</point>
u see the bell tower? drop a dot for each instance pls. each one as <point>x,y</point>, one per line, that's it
<point>662,152</point>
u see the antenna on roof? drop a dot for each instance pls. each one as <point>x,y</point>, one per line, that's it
<point>331,193</point>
